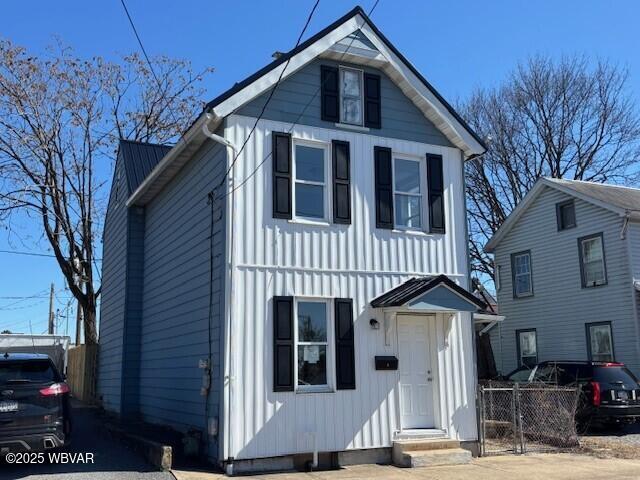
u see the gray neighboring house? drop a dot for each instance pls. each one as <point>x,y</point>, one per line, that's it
<point>567,265</point>
<point>312,304</point>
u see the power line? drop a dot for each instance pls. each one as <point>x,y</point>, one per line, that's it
<point>273,90</point>
<point>35,254</point>
<point>255,170</point>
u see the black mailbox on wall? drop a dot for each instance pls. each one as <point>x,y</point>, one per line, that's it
<point>386,363</point>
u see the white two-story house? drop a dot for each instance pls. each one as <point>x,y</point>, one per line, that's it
<point>289,281</point>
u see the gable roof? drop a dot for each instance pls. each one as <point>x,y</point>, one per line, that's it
<point>417,286</point>
<point>624,201</point>
<point>372,48</point>
<point>139,159</point>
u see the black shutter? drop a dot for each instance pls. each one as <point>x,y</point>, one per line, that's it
<point>384,188</point>
<point>281,161</point>
<point>436,193</point>
<point>329,96</point>
<point>341,182</point>
<point>372,112</point>
<point>345,351</point>
<point>282,344</point>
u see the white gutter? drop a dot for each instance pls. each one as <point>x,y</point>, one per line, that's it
<point>169,158</point>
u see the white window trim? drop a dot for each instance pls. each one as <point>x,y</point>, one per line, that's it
<point>325,220</point>
<point>423,193</point>
<point>361,74</point>
<point>331,374</point>
<point>529,292</point>
<point>603,280</point>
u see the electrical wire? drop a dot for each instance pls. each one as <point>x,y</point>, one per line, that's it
<point>35,254</point>
<point>255,170</point>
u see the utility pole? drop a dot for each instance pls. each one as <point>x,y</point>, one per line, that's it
<point>78,323</point>
<point>51,324</point>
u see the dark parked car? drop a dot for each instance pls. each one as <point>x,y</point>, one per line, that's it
<point>34,404</point>
<point>610,393</point>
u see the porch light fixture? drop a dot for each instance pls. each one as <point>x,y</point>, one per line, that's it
<point>375,325</point>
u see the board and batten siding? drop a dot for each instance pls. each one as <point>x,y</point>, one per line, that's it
<point>560,307</point>
<point>297,99</point>
<point>358,261</point>
<point>113,298</point>
<point>175,307</point>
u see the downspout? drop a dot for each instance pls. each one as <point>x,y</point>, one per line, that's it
<point>229,294</point>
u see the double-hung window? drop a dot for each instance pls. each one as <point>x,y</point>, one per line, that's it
<point>527,347</point>
<point>600,342</point>
<point>521,271</point>
<point>310,173</point>
<point>312,344</point>
<point>592,264</point>
<point>407,193</point>
<point>351,103</point>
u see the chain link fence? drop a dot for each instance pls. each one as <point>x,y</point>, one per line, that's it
<point>517,418</point>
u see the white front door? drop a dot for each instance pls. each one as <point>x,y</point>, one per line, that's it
<point>416,372</point>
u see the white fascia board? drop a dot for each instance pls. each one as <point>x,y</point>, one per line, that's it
<point>471,145</point>
<point>487,318</point>
<point>296,62</point>
<point>530,197</point>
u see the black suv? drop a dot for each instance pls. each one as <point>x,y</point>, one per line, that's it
<point>34,404</point>
<point>610,393</point>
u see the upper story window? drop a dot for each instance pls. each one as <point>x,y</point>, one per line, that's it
<point>312,345</point>
<point>592,263</point>
<point>521,270</point>
<point>566,215</point>
<point>310,174</point>
<point>351,103</point>
<point>407,193</point>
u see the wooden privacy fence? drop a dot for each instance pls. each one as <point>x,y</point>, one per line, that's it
<point>81,371</point>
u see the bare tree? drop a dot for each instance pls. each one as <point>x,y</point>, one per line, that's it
<point>565,119</point>
<point>60,120</point>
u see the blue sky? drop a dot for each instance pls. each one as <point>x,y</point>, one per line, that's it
<point>458,45</point>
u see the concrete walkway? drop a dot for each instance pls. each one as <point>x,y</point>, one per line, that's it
<point>527,467</point>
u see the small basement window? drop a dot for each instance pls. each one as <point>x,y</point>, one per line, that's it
<point>351,103</point>
<point>592,264</point>
<point>566,215</point>
<point>527,347</point>
<point>600,342</point>
<point>312,345</point>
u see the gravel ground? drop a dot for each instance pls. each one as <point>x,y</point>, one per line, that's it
<point>620,443</point>
<point>112,460</point>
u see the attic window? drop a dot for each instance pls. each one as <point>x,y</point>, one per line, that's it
<point>351,106</point>
<point>566,215</point>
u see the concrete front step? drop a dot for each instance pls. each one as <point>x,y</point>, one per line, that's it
<point>432,458</point>
<point>425,444</point>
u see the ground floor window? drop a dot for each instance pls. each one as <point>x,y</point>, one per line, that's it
<point>600,342</point>
<point>313,331</point>
<point>527,347</point>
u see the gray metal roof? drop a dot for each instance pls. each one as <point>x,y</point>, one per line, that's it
<point>625,198</point>
<point>139,159</point>
<point>416,286</point>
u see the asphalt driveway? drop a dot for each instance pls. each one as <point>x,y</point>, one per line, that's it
<point>111,460</point>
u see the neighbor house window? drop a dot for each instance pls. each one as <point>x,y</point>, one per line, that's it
<point>566,215</point>
<point>407,193</point>
<point>521,270</point>
<point>312,344</point>
<point>527,347</point>
<point>592,264</point>
<point>351,108</point>
<point>600,342</point>
<point>310,173</point>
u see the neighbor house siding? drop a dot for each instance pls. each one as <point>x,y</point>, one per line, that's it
<point>297,99</point>
<point>176,327</point>
<point>560,307</point>
<point>113,297</point>
<point>357,261</point>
